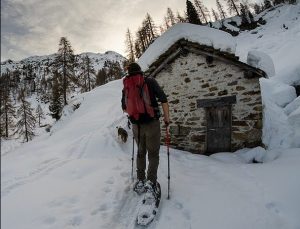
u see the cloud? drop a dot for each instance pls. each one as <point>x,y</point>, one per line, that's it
<point>34,27</point>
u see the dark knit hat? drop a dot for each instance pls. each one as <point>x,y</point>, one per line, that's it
<point>133,68</point>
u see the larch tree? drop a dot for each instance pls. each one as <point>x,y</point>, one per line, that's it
<point>88,73</point>
<point>170,17</point>
<point>150,27</point>
<point>26,120</point>
<point>64,63</point>
<point>257,8</point>
<point>215,15</point>
<point>202,10</point>
<point>233,6</point>
<point>221,9</point>
<point>192,15</point>
<point>179,18</point>
<point>39,114</point>
<point>246,15</point>
<point>101,77</point>
<point>129,43</point>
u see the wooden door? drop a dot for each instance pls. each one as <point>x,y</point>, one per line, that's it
<point>218,129</point>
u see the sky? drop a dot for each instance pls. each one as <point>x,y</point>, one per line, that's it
<point>34,27</point>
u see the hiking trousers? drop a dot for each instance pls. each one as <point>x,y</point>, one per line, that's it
<point>147,137</point>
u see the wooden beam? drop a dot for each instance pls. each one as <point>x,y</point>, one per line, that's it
<point>217,102</point>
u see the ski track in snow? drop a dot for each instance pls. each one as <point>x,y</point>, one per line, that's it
<point>75,152</point>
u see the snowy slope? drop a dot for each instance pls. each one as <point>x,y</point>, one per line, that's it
<point>78,175</point>
<point>83,181</point>
<point>281,44</point>
<point>39,62</point>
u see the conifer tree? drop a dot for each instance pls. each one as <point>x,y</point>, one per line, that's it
<point>137,49</point>
<point>202,10</point>
<point>179,18</point>
<point>277,2</point>
<point>246,15</point>
<point>267,4</point>
<point>26,122</point>
<point>7,113</point>
<point>129,46</point>
<point>215,15</point>
<point>40,114</point>
<point>56,102</point>
<point>256,8</point>
<point>101,77</point>
<point>233,7</point>
<point>88,73</point>
<point>147,33</point>
<point>170,17</point>
<point>64,63</point>
<point>7,110</point>
<point>221,10</point>
<point>192,15</point>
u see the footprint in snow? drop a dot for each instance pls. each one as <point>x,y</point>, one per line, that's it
<point>49,220</point>
<point>102,208</point>
<point>178,205</point>
<point>110,181</point>
<point>107,190</point>
<point>76,221</point>
<point>117,168</point>
<point>273,207</point>
<point>124,174</point>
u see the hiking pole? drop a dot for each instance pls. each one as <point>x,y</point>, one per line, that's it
<point>132,158</point>
<point>168,150</point>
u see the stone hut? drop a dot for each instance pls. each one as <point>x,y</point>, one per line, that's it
<point>215,99</point>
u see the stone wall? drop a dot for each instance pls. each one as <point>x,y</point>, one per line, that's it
<point>190,78</point>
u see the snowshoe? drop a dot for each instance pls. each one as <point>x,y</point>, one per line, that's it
<point>139,187</point>
<point>150,203</point>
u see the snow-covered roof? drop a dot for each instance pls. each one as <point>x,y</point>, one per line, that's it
<point>261,60</point>
<point>194,33</point>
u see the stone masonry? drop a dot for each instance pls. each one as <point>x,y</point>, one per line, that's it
<point>189,78</point>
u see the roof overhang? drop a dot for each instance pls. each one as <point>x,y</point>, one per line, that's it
<point>182,47</point>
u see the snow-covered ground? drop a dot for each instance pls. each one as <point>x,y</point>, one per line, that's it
<point>78,175</point>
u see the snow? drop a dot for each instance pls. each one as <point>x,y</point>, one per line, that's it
<point>280,93</point>
<point>262,61</point>
<point>194,33</point>
<point>237,20</point>
<point>78,175</point>
<point>281,44</point>
<point>277,131</point>
<point>294,120</point>
<point>292,106</point>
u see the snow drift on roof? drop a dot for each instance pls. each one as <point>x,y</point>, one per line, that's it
<point>194,33</point>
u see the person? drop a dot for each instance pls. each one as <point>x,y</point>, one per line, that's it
<point>147,133</point>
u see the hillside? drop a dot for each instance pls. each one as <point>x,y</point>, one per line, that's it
<point>78,174</point>
<point>39,62</point>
